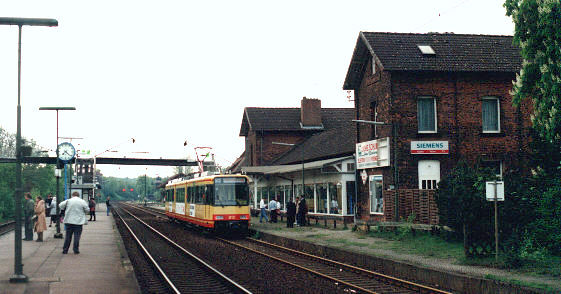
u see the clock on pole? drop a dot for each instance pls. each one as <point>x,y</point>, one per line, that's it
<point>65,152</point>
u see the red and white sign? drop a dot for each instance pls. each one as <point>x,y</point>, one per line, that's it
<point>364,176</point>
<point>372,154</point>
<point>429,147</point>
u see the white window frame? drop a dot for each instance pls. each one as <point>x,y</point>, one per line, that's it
<point>498,114</point>
<point>435,115</point>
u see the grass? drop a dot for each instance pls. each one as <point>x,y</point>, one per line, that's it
<point>422,244</point>
<point>546,288</point>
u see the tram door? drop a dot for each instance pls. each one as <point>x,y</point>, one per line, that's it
<point>208,199</point>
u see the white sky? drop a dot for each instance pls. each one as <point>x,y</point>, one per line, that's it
<point>168,71</point>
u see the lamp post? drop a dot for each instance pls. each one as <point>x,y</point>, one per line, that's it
<point>290,144</point>
<point>395,167</point>
<point>58,234</point>
<point>18,276</point>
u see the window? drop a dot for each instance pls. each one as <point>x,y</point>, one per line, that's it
<point>426,114</point>
<point>309,196</point>
<point>426,49</point>
<point>351,197</point>
<point>495,165</point>
<point>335,195</point>
<point>376,199</point>
<point>228,192</point>
<point>321,192</point>
<point>491,115</point>
<point>180,195</point>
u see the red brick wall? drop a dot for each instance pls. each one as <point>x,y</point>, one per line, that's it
<point>310,114</point>
<point>459,121</point>
<point>263,152</point>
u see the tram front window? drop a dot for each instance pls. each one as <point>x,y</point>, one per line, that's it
<point>231,191</point>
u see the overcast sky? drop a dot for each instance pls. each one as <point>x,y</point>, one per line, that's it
<point>165,72</point>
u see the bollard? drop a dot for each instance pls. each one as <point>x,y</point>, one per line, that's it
<point>345,223</point>
<point>325,222</point>
<point>317,221</point>
<point>335,223</point>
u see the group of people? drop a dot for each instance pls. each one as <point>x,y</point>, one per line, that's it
<point>295,211</point>
<point>73,213</point>
<point>35,215</point>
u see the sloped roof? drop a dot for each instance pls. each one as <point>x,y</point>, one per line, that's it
<point>338,141</point>
<point>453,53</point>
<point>288,119</point>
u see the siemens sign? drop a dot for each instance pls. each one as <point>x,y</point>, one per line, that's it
<point>429,147</point>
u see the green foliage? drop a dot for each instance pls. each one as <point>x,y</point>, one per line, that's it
<point>7,185</point>
<point>538,34</point>
<point>461,199</point>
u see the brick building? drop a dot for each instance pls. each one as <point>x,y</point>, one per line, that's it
<point>443,98</point>
<point>300,151</point>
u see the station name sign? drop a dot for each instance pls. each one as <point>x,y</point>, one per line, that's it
<point>372,154</point>
<point>429,147</point>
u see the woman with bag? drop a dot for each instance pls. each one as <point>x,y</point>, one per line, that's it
<point>41,223</point>
<point>91,204</point>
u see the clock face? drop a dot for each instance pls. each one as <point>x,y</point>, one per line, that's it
<point>65,151</point>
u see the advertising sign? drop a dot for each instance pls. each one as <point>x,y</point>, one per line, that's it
<point>372,154</point>
<point>429,147</point>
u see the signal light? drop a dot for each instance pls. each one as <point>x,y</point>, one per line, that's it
<point>132,189</point>
<point>124,189</point>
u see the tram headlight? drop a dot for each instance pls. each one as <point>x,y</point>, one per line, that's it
<point>243,216</point>
<point>219,217</point>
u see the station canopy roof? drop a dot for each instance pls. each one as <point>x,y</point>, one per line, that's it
<point>282,169</point>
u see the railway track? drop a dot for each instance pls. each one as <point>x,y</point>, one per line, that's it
<point>7,227</point>
<point>178,270</point>
<point>364,281</point>
<point>345,275</point>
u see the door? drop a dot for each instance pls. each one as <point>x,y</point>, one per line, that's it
<point>429,174</point>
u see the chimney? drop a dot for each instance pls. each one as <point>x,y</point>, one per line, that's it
<point>310,113</point>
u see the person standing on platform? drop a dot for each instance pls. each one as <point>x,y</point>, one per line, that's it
<point>273,210</point>
<point>41,222</point>
<point>108,204</point>
<point>28,212</point>
<point>290,213</point>
<point>91,204</point>
<point>302,210</point>
<point>75,217</point>
<point>262,206</point>
<point>52,211</point>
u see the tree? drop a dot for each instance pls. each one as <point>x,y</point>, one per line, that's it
<point>538,34</point>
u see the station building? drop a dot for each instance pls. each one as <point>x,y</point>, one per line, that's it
<point>436,99</point>
<point>301,151</point>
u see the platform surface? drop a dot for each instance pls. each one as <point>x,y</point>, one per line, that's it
<point>101,267</point>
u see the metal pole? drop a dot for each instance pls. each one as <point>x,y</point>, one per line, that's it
<point>496,223</point>
<point>58,234</point>
<point>396,172</point>
<point>18,276</point>
<point>303,189</point>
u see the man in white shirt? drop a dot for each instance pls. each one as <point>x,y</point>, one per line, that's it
<point>273,210</point>
<point>262,206</point>
<point>74,217</point>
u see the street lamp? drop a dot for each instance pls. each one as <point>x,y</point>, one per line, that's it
<point>58,234</point>
<point>18,276</point>
<point>395,167</point>
<point>290,144</point>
